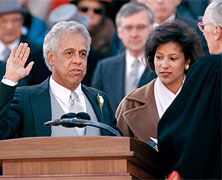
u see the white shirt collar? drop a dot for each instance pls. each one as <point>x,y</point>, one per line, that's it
<point>163,96</point>
<point>130,59</point>
<point>168,19</point>
<point>63,94</point>
<point>10,46</point>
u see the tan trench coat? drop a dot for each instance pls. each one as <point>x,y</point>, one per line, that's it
<point>137,114</point>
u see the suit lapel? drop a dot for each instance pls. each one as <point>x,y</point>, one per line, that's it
<point>147,76</point>
<point>91,95</point>
<point>41,105</point>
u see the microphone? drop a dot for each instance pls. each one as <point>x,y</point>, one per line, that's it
<point>81,115</point>
<point>68,115</point>
<point>80,120</point>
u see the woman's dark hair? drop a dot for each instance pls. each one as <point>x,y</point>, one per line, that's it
<point>174,31</point>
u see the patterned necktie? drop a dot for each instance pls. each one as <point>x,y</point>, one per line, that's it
<point>76,107</point>
<point>6,52</point>
<point>132,80</point>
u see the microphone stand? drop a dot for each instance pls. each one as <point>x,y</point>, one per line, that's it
<point>74,122</point>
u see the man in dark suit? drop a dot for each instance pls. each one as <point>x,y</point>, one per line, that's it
<point>113,75</point>
<point>24,110</point>
<point>11,22</point>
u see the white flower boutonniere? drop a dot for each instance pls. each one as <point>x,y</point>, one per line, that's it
<point>100,102</point>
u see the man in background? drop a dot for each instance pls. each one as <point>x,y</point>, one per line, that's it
<point>119,75</point>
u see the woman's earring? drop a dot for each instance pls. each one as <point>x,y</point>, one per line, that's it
<point>187,66</point>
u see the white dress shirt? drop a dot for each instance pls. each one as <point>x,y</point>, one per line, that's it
<point>129,61</point>
<point>62,95</point>
<point>163,96</point>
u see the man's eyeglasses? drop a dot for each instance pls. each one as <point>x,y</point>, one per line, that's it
<point>95,10</point>
<point>202,25</point>
<point>139,28</point>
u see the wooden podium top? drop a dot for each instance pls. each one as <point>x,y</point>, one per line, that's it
<point>85,147</point>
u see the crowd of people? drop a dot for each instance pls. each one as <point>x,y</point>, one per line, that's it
<point>149,69</point>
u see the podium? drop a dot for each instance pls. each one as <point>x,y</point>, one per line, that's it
<point>82,158</point>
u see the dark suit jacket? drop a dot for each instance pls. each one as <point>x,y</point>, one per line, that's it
<point>93,58</point>
<point>25,115</point>
<point>109,77</point>
<point>193,9</point>
<point>2,69</point>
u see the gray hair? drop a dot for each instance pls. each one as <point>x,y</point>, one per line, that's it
<point>215,12</point>
<point>132,8</point>
<point>63,27</point>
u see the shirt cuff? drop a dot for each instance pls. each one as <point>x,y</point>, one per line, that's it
<point>9,82</point>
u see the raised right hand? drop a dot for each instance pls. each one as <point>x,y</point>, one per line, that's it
<point>15,68</point>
